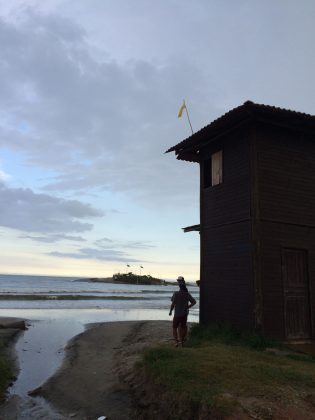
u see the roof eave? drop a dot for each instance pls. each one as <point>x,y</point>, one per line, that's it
<point>188,157</point>
<point>193,228</point>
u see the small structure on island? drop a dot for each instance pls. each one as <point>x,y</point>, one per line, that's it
<point>257,220</point>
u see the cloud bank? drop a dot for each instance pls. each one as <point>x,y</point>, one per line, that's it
<point>97,254</point>
<point>24,210</point>
<point>96,123</point>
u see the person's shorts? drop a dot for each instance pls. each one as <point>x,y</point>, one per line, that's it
<point>179,320</point>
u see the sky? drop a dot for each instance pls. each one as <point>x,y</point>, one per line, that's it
<point>89,97</point>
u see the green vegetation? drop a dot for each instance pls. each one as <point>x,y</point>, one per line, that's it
<point>223,333</point>
<point>6,374</point>
<point>219,367</point>
<point>131,278</point>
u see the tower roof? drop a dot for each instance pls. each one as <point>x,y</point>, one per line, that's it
<point>188,148</point>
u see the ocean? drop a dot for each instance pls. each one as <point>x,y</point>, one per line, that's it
<point>58,308</point>
<point>44,292</point>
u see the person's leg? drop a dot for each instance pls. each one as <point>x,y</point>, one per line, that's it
<point>184,333</point>
<point>183,329</point>
<point>175,327</point>
<point>181,333</point>
<point>175,334</point>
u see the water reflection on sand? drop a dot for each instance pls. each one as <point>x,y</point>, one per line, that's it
<point>40,349</point>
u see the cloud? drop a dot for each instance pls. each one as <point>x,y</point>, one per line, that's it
<point>24,210</point>
<point>100,124</point>
<point>96,254</point>
<point>53,238</point>
<point>106,249</point>
<point>4,176</point>
<point>96,123</point>
<point>100,242</point>
<point>110,243</point>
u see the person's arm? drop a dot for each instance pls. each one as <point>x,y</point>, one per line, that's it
<point>192,301</point>
<point>172,305</point>
<point>171,308</point>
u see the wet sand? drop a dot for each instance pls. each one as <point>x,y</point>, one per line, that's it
<point>94,379</point>
<point>10,328</point>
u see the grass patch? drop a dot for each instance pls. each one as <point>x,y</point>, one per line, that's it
<point>219,363</point>
<point>225,334</point>
<point>207,371</point>
<point>6,373</point>
<point>170,367</point>
<point>302,357</point>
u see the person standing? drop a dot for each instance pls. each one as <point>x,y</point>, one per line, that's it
<point>182,301</point>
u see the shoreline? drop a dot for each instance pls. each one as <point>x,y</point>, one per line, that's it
<point>10,329</point>
<point>101,376</point>
<point>98,364</point>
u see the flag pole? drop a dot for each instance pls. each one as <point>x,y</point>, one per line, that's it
<point>180,113</point>
<point>192,131</point>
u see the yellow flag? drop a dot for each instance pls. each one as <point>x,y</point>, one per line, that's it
<point>180,112</point>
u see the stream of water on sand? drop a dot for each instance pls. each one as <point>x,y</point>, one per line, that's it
<point>59,308</point>
<point>40,349</point>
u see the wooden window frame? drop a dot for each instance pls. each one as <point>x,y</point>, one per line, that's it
<point>217,177</point>
<point>208,171</point>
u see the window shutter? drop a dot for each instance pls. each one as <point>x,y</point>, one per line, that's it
<point>216,165</point>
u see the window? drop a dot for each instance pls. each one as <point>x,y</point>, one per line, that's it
<point>213,170</point>
<point>216,168</point>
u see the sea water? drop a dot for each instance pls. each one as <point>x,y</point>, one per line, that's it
<point>58,308</point>
<point>43,292</point>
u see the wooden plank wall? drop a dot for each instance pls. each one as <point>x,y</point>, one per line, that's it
<point>226,289</point>
<point>228,202</point>
<point>226,285</point>
<point>275,237</point>
<point>286,179</point>
<point>286,176</point>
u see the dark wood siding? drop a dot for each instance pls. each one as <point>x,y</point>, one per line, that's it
<point>226,288</point>
<point>265,205</point>
<point>296,293</point>
<point>274,238</point>
<point>286,185</point>
<point>230,201</point>
<point>286,161</point>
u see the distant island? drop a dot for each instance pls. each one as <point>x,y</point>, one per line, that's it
<point>129,278</point>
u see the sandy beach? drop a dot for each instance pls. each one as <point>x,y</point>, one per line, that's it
<point>97,374</point>
<point>78,354</point>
